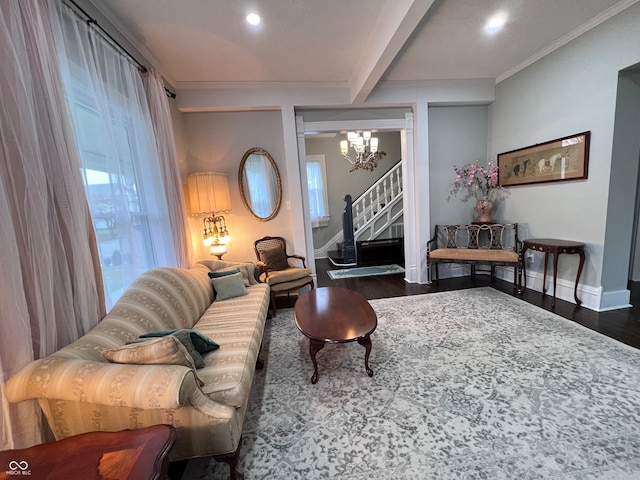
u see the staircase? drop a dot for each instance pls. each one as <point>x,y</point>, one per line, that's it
<point>374,212</point>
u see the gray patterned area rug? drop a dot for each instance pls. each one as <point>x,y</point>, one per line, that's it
<point>470,384</point>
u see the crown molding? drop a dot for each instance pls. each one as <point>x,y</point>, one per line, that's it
<point>594,22</point>
<point>260,85</point>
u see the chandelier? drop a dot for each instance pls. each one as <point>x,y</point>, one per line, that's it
<point>366,151</point>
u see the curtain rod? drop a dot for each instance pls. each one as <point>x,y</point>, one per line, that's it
<point>91,20</point>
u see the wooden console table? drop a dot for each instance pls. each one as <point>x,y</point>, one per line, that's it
<point>554,247</point>
<point>125,455</point>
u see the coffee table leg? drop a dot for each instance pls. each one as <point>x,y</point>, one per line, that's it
<point>366,343</point>
<point>314,347</point>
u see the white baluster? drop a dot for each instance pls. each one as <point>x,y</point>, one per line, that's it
<point>392,190</point>
<point>386,194</point>
<point>379,195</point>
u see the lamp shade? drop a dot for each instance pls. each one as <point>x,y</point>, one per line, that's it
<point>208,193</point>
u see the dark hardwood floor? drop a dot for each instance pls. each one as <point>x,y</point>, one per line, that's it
<point>623,325</point>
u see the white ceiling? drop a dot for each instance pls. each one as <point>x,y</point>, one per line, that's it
<point>354,43</point>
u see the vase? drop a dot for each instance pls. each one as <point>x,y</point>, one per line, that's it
<point>485,209</point>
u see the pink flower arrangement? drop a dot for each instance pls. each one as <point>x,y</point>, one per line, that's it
<point>477,182</point>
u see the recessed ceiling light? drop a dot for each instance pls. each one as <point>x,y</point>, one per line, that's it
<point>253,18</point>
<point>495,23</point>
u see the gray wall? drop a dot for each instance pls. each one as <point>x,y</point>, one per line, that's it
<point>340,181</point>
<point>569,91</point>
<point>457,135</point>
<point>217,141</point>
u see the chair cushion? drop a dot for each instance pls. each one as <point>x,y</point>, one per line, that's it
<point>291,286</point>
<point>274,259</point>
<point>478,254</point>
<point>283,276</point>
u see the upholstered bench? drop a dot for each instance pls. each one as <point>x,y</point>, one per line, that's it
<point>491,245</point>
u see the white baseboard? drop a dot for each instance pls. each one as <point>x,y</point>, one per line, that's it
<point>411,273</point>
<point>614,300</point>
<point>590,297</point>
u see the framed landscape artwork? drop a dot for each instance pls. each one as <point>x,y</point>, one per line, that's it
<point>566,158</point>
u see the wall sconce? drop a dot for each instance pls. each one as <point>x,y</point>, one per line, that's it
<point>209,195</point>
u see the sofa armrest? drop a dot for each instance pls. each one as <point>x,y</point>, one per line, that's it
<point>112,384</point>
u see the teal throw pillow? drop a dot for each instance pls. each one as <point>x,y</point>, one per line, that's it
<point>200,341</point>
<point>243,269</point>
<point>223,273</point>
<point>185,339</point>
<point>230,286</point>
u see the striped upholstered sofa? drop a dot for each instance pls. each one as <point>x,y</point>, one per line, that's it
<point>79,390</point>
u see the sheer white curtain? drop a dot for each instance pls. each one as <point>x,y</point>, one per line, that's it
<point>49,283</point>
<point>120,161</point>
<point>165,141</point>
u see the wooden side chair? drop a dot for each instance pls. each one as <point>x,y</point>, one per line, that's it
<point>281,271</point>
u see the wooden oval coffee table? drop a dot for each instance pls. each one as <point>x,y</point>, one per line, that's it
<point>335,315</point>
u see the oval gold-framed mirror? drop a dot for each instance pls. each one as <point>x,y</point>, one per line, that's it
<point>260,185</point>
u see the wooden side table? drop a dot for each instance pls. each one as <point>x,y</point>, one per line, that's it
<point>554,247</point>
<point>125,455</point>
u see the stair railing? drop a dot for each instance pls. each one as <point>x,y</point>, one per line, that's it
<point>387,189</point>
<point>375,202</point>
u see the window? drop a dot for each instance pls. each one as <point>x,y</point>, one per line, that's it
<point>112,188</point>
<point>119,218</point>
<point>119,159</point>
<point>318,199</point>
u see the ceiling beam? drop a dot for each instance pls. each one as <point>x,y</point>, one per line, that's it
<point>396,22</point>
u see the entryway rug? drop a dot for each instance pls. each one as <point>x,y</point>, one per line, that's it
<point>365,271</point>
<point>472,384</point>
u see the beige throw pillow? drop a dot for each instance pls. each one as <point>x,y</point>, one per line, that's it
<point>158,351</point>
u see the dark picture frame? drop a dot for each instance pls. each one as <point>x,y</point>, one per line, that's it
<point>565,158</point>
